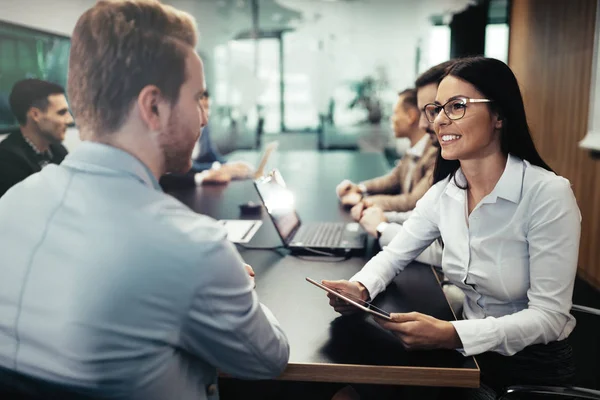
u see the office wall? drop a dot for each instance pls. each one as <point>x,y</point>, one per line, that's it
<point>551,49</point>
<point>57,16</point>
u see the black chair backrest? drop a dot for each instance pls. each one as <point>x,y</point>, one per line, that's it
<point>586,349</point>
<point>16,386</point>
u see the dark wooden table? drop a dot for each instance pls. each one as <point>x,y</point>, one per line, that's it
<point>324,346</point>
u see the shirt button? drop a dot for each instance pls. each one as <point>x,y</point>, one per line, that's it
<point>211,389</point>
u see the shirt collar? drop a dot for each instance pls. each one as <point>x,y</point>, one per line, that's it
<point>508,187</point>
<point>102,158</point>
<point>419,148</point>
<point>510,184</point>
<point>47,153</point>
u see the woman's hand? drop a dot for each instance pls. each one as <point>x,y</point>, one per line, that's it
<point>420,331</point>
<point>355,289</point>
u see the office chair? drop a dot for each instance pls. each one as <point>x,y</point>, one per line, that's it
<point>558,392</point>
<point>16,386</point>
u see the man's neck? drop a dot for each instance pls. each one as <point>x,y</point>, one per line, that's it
<point>34,138</point>
<point>415,135</point>
<point>147,151</point>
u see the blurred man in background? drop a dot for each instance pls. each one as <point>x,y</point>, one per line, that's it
<point>385,225</point>
<point>43,115</point>
<point>410,179</point>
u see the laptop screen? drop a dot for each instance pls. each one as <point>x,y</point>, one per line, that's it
<point>279,202</point>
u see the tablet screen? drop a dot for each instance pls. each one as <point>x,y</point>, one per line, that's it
<point>353,300</point>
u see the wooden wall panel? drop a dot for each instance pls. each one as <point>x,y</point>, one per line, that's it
<point>550,51</point>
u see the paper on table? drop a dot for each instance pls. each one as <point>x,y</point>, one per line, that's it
<point>240,230</point>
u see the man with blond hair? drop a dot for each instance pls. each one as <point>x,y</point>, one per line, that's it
<point>109,287</point>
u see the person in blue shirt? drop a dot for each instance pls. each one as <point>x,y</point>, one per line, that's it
<point>209,166</point>
<point>111,288</point>
<point>205,153</point>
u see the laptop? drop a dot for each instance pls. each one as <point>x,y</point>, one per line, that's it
<point>324,238</point>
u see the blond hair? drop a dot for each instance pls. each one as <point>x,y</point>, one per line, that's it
<point>118,48</point>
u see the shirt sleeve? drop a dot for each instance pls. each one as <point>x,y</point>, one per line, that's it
<point>553,238</point>
<point>397,217</point>
<point>432,255</point>
<point>208,152</point>
<point>228,327</point>
<point>405,201</point>
<point>212,149</point>
<point>389,183</point>
<point>418,232</point>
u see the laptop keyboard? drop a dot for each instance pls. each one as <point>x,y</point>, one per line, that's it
<point>326,234</point>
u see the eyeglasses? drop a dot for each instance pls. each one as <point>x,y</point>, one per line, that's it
<point>454,109</point>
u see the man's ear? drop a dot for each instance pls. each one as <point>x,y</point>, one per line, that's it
<point>34,114</point>
<point>413,115</point>
<point>148,102</point>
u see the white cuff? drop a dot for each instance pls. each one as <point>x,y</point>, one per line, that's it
<point>381,227</point>
<point>373,284</point>
<point>476,335</point>
<point>199,177</point>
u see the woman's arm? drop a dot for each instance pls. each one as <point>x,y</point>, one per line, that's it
<point>418,232</point>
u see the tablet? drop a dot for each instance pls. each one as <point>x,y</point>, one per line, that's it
<point>353,300</point>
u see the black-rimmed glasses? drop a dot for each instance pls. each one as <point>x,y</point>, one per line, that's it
<point>454,109</point>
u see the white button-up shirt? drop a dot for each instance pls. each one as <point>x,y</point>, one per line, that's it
<point>514,256</point>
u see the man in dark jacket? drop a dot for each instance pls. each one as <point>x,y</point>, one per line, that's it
<point>43,115</point>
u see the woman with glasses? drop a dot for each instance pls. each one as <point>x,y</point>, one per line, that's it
<point>511,231</point>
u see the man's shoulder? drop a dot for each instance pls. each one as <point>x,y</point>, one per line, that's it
<point>430,150</point>
<point>13,155</point>
<point>12,144</point>
<point>155,226</point>
<point>184,225</point>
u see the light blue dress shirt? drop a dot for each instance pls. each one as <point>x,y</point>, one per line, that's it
<point>514,256</point>
<point>108,284</point>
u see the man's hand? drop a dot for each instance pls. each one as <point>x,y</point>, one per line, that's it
<point>420,331</point>
<point>346,187</point>
<point>238,169</point>
<point>357,211</point>
<point>250,273</point>
<point>214,177</point>
<point>351,199</point>
<point>371,218</point>
<point>356,289</point>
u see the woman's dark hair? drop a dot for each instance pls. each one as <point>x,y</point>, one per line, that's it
<point>495,80</point>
